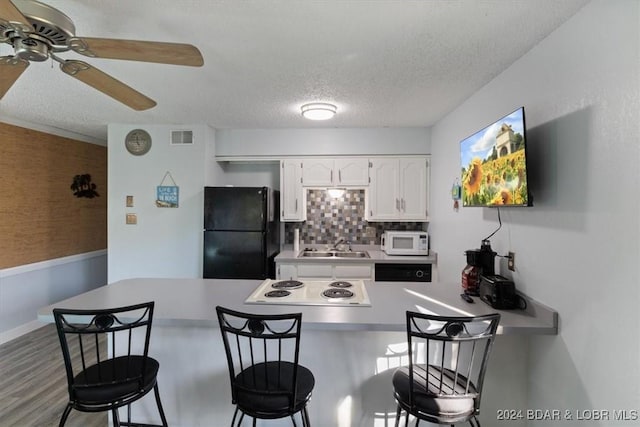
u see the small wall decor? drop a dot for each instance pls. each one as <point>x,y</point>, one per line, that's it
<point>83,187</point>
<point>167,196</point>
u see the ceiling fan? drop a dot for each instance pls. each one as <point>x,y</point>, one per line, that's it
<point>38,32</point>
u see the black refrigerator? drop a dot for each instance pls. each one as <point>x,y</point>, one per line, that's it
<point>241,232</point>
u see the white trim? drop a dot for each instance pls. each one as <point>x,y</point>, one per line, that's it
<point>53,131</point>
<point>20,330</point>
<point>12,271</point>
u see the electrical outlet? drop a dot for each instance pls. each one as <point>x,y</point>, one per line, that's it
<point>511,261</point>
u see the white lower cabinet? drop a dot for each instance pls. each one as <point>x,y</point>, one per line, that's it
<point>322,271</point>
<point>286,272</point>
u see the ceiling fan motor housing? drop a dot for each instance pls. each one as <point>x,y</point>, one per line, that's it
<point>51,31</point>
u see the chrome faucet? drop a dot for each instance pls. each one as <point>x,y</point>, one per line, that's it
<point>335,245</point>
<point>342,240</point>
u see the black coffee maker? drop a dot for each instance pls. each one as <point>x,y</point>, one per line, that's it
<point>479,262</point>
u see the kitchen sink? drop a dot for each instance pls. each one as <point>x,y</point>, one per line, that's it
<point>356,254</point>
<point>334,254</point>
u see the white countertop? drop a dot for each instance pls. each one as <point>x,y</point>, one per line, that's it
<point>192,302</point>
<point>375,255</point>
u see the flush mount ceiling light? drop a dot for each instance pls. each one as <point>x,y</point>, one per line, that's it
<point>318,111</point>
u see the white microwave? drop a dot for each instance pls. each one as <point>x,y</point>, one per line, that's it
<point>405,242</point>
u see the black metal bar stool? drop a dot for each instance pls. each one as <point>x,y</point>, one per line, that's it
<point>447,362</point>
<point>262,352</point>
<point>105,379</point>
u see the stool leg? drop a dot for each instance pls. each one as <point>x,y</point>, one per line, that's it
<point>398,416</point>
<point>156,391</point>
<point>65,415</point>
<point>305,417</point>
<point>235,413</point>
<point>116,417</point>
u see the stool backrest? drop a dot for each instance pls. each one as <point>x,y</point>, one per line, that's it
<point>261,342</point>
<point>93,337</point>
<point>455,351</point>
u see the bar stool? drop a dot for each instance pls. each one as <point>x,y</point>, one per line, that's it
<point>267,381</point>
<point>101,379</point>
<point>446,387</point>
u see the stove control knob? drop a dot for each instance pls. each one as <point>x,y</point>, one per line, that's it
<point>419,274</point>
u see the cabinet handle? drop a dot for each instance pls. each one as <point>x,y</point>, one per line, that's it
<point>340,176</point>
<point>296,206</point>
<point>331,175</point>
<point>397,204</point>
<point>404,206</point>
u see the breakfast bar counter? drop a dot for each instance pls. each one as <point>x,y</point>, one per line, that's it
<point>191,302</point>
<point>352,351</point>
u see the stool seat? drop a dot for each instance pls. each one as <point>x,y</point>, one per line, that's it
<point>432,403</point>
<point>111,380</point>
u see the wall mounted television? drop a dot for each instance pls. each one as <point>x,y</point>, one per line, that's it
<point>494,164</point>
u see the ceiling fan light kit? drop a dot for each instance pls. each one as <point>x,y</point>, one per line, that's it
<point>318,111</point>
<point>38,32</point>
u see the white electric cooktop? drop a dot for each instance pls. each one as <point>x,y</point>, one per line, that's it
<point>315,292</point>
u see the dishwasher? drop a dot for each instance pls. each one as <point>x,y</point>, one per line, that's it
<point>394,272</point>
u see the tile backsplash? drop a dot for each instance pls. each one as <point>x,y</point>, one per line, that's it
<point>330,219</point>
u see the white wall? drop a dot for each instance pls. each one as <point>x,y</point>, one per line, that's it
<point>274,143</point>
<point>27,288</point>
<point>166,242</point>
<point>577,249</point>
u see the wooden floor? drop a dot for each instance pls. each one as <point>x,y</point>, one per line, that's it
<point>33,384</point>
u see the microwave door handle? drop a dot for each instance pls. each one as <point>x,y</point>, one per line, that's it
<point>382,242</point>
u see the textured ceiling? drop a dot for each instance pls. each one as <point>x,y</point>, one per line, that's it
<point>383,63</point>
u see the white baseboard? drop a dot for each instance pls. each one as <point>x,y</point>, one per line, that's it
<point>20,330</point>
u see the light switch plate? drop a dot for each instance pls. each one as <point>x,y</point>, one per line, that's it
<point>132,219</point>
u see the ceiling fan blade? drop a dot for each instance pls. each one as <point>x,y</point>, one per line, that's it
<point>106,84</point>
<point>10,69</point>
<point>136,50</point>
<point>10,13</point>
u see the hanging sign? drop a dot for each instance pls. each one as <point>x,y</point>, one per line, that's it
<point>167,196</point>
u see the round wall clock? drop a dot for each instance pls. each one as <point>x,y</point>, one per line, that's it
<point>138,142</point>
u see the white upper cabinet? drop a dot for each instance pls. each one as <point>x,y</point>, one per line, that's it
<point>292,206</point>
<point>348,171</point>
<point>398,190</point>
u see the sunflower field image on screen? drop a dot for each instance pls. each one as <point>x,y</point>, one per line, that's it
<point>494,164</point>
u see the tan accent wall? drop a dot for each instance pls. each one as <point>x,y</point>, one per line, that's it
<point>40,218</point>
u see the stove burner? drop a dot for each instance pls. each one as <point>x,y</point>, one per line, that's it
<point>340,284</point>
<point>277,293</point>
<point>337,293</point>
<point>287,284</point>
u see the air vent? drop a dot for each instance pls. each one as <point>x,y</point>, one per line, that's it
<point>181,137</point>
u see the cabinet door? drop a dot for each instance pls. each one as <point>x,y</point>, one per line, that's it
<point>286,272</point>
<point>383,192</point>
<point>413,188</point>
<point>351,171</point>
<point>353,271</point>
<point>317,172</point>
<point>315,271</point>
<point>291,191</point>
